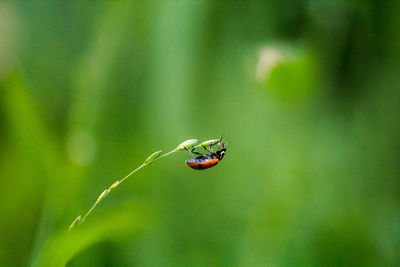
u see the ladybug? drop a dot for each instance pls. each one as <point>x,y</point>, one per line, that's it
<point>208,160</point>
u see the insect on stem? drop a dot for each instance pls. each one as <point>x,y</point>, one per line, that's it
<point>150,159</point>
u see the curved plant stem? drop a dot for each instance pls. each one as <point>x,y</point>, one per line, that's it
<point>150,159</point>
<point>108,190</point>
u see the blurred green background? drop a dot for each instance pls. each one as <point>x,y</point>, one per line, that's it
<point>307,93</point>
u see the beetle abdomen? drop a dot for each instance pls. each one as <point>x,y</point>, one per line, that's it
<point>198,164</point>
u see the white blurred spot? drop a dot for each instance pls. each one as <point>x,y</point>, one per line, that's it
<point>268,57</point>
<point>81,147</point>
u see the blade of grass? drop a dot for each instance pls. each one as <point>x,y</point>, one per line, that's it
<point>150,159</point>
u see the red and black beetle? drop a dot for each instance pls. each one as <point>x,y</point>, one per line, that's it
<point>208,160</point>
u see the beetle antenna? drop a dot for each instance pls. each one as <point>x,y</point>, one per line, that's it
<point>221,141</point>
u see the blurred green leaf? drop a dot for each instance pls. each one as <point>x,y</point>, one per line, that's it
<point>121,223</point>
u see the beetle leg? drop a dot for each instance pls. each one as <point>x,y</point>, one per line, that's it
<point>209,148</point>
<point>195,152</point>
<point>220,143</point>
<point>192,152</point>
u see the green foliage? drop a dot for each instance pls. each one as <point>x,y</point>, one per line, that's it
<point>306,93</point>
<point>115,225</point>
